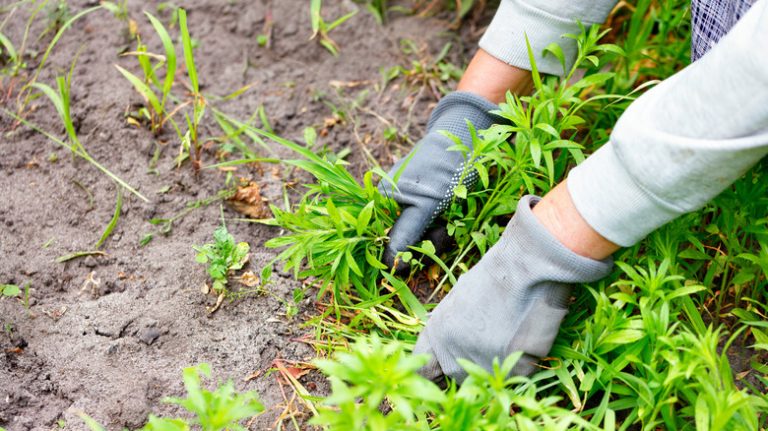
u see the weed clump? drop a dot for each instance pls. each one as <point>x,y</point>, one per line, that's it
<point>223,257</point>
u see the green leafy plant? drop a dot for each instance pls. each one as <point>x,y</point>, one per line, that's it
<point>221,409</point>
<point>223,256</point>
<point>10,290</point>
<point>156,109</point>
<point>320,28</point>
<point>376,373</point>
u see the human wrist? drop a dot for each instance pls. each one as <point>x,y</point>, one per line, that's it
<point>503,78</point>
<point>557,213</point>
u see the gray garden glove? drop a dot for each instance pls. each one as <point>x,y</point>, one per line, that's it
<point>513,300</point>
<point>425,187</point>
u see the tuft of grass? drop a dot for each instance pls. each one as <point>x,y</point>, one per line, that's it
<point>156,109</point>
<point>60,97</point>
<point>25,95</point>
<point>320,28</point>
<point>191,139</point>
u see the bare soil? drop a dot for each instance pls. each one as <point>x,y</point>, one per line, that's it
<point>115,346</point>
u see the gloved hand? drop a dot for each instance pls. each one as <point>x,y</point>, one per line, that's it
<point>513,300</point>
<point>425,187</point>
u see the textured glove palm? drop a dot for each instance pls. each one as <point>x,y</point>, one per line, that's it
<point>513,300</point>
<point>425,187</point>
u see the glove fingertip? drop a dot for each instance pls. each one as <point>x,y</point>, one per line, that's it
<point>432,370</point>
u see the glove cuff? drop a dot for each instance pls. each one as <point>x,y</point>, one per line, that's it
<point>453,110</point>
<point>527,249</point>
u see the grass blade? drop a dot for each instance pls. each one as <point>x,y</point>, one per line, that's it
<point>170,56</point>
<point>82,154</point>
<point>112,223</point>
<point>188,57</point>
<point>142,88</point>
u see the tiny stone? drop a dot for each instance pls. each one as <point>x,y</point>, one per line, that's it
<point>149,335</point>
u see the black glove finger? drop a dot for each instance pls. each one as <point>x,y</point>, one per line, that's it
<point>439,237</point>
<point>408,230</point>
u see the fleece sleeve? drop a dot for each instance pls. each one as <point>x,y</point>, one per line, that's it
<point>544,22</point>
<point>684,141</point>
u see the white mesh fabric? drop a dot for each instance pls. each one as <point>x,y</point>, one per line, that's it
<point>711,20</point>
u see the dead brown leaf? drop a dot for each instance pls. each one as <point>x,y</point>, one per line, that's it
<point>249,279</point>
<point>247,200</point>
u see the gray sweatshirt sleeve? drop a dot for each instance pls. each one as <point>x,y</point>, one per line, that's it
<point>544,22</point>
<point>684,141</point>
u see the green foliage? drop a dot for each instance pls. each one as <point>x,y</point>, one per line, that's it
<point>320,28</point>
<point>190,139</point>
<point>376,373</point>
<point>433,72</point>
<point>156,109</point>
<point>10,59</point>
<point>218,410</point>
<point>338,229</point>
<point>10,290</point>
<point>61,101</point>
<point>119,9</point>
<point>646,348</point>
<point>223,256</point>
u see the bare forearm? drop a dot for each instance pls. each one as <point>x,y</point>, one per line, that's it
<point>491,78</point>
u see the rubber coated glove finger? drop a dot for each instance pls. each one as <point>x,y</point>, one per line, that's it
<point>407,230</point>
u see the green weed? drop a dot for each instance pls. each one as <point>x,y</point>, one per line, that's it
<point>9,57</point>
<point>320,28</point>
<point>56,15</point>
<point>223,257</point>
<point>646,348</point>
<point>156,109</point>
<point>10,290</point>
<point>217,410</point>
<point>119,9</point>
<point>191,139</point>
<point>25,96</point>
<point>376,373</point>
<point>60,97</point>
<point>425,71</point>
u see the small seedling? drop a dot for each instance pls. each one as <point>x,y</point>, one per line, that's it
<point>10,59</point>
<point>221,409</point>
<point>10,290</point>
<point>191,139</point>
<point>61,101</point>
<point>58,14</point>
<point>223,257</point>
<point>119,9</point>
<point>155,110</point>
<point>320,28</point>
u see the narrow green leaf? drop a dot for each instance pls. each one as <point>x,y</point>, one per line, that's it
<point>189,59</point>
<point>113,222</point>
<point>148,95</point>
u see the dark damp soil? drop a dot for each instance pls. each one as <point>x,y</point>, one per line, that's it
<point>109,334</point>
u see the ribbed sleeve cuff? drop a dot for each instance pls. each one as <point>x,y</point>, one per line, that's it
<point>505,37</point>
<point>612,202</point>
